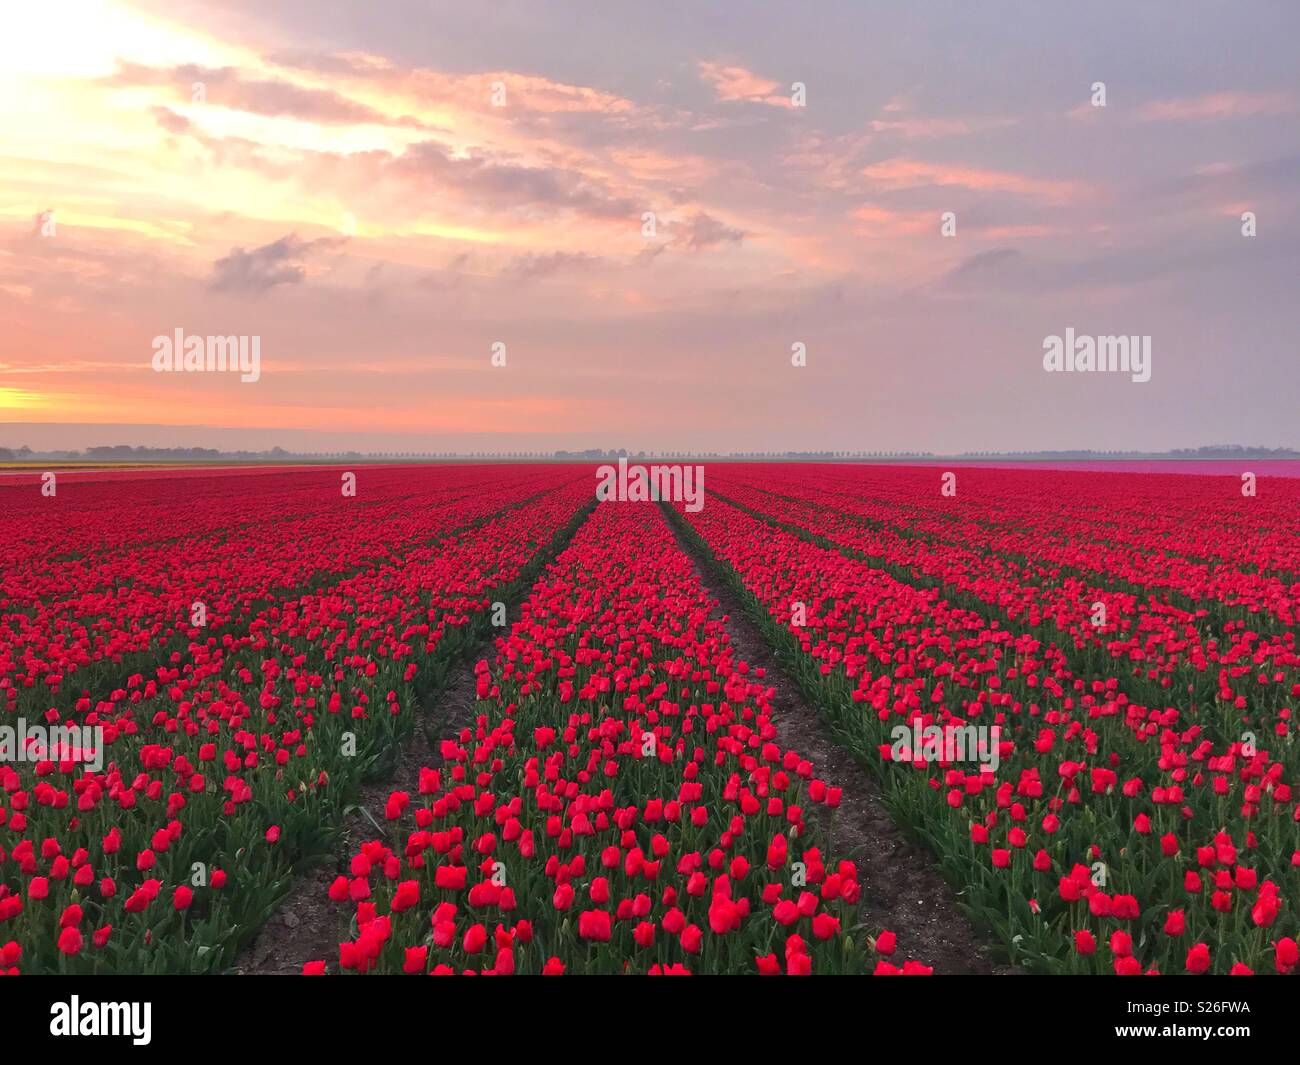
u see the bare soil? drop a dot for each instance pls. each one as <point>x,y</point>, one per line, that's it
<point>902,890</point>
<point>308,926</point>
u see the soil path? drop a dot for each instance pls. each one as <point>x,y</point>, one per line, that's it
<point>308,926</point>
<point>901,889</point>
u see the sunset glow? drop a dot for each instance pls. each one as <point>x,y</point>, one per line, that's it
<point>403,193</point>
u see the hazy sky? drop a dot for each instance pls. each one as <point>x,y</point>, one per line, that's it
<point>381,191</point>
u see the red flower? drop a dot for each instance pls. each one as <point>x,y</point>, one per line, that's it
<point>406,896</point>
<point>724,916</point>
<point>824,926</point>
<point>475,939</point>
<point>138,901</point>
<point>594,925</point>
<point>785,912</point>
<point>70,941</point>
<point>1266,908</point>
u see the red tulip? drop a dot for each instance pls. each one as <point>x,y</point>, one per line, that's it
<point>70,941</point>
<point>594,925</point>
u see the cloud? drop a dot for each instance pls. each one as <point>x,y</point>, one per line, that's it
<point>171,121</point>
<point>533,267</point>
<point>468,91</point>
<point>993,265</point>
<point>732,83</point>
<point>1228,104</point>
<point>1215,184</point>
<point>1118,270</point>
<point>1084,112</point>
<point>451,276</point>
<point>277,263</point>
<point>900,123</point>
<point>271,97</point>
<point>872,220</point>
<point>902,173</point>
<point>498,182</point>
<point>702,231</point>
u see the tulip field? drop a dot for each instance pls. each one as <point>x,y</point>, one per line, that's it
<point>1142,818</point>
<point>251,648</point>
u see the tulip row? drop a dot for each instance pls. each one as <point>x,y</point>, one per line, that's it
<point>227,764</point>
<point>1151,645</point>
<point>1196,541</point>
<point>79,606</point>
<point>619,804</point>
<point>1081,816</point>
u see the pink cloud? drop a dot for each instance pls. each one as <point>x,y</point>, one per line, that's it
<point>733,83</point>
<point>463,92</point>
<point>920,128</point>
<point>1228,104</point>
<point>872,220</point>
<point>903,173</point>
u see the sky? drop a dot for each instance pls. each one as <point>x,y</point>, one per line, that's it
<point>653,208</point>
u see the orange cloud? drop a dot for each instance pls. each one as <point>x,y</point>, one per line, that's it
<point>903,173</point>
